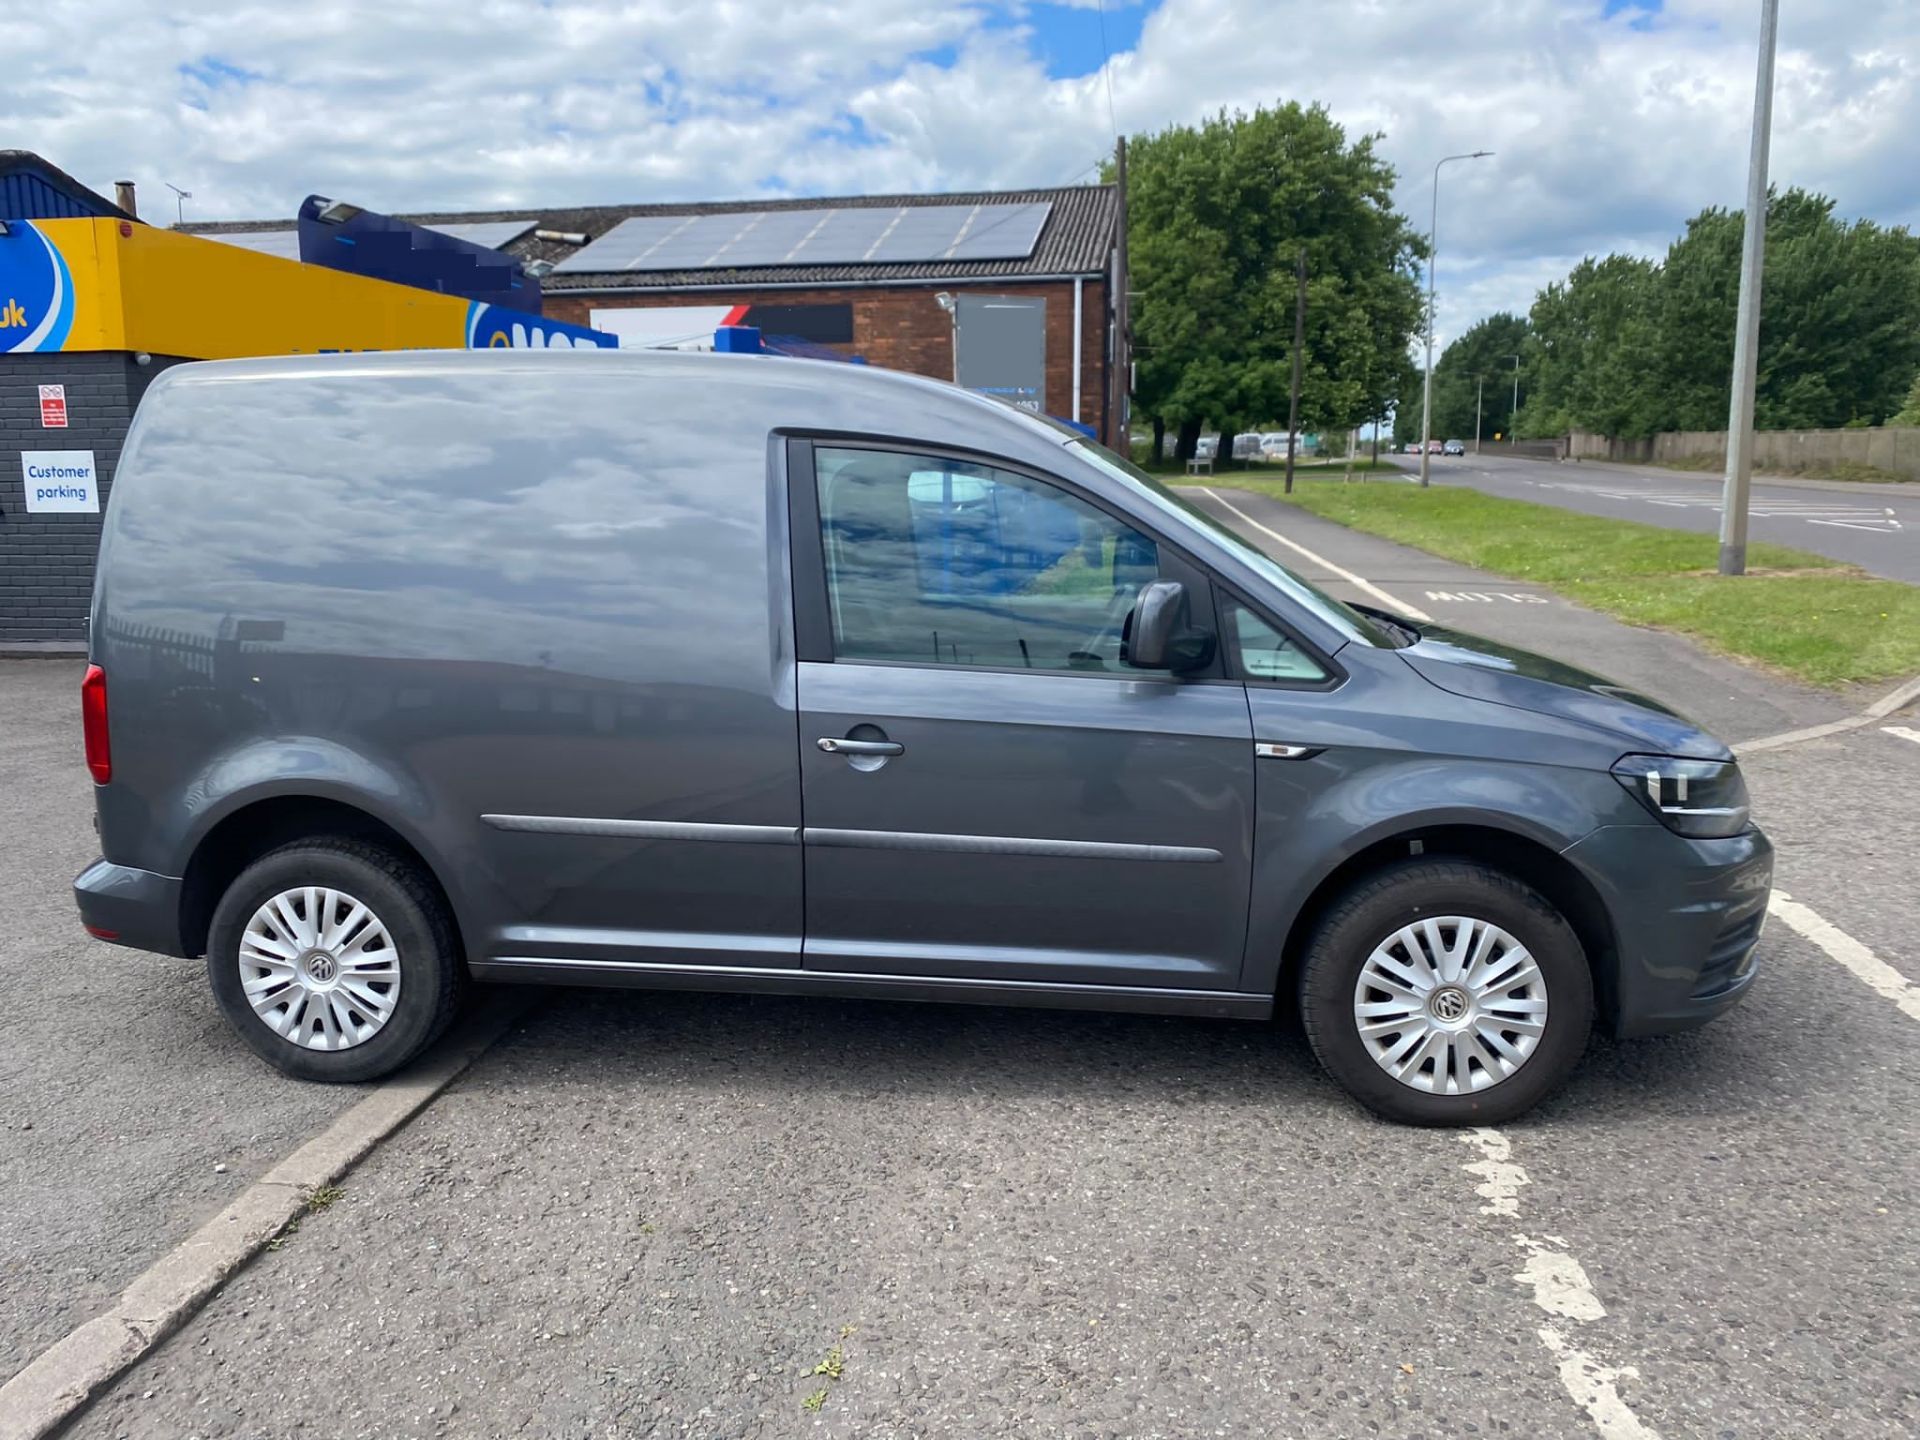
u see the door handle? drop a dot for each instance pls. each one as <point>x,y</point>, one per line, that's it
<point>835,746</point>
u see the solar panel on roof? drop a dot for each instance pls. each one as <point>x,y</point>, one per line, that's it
<point>282,243</point>
<point>490,233</point>
<point>843,236</point>
<point>1001,232</point>
<point>846,235</point>
<point>768,239</point>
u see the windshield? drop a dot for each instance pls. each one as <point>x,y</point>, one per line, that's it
<point>1344,618</point>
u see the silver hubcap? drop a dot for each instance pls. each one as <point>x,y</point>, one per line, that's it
<point>1450,1005</point>
<point>319,968</point>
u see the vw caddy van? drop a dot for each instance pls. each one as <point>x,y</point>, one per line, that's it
<point>755,674</point>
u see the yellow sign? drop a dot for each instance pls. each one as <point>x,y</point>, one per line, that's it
<point>111,285</point>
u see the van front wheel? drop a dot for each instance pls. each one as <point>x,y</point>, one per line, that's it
<point>334,960</point>
<point>1444,992</point>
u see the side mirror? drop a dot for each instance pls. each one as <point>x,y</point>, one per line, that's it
<point>1159,633</point>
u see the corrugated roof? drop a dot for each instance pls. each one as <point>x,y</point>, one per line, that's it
<point>1075,241</point>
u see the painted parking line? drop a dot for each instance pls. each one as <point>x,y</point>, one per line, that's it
<point>1903,732</point>
<point>1347,575</point>
<point>1559,1285</point>
<point>1845,951</point>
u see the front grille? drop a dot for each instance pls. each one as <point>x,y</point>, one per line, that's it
<point>1729,959</point>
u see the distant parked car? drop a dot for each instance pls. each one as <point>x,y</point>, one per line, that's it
<point>1274,447</point>
<point>1454,447</point>
<point>1246,446</point>
<point>1436,447</point>
<point>1206,447</point>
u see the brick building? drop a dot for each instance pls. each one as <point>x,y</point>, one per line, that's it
<point>1026,274</point>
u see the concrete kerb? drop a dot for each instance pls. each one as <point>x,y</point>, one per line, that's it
<point>59,1382</point>
<point>1893,700</point>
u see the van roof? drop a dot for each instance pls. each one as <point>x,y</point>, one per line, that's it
<point>922,404</point>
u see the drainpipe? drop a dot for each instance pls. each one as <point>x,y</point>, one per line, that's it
<point>1076,348</point>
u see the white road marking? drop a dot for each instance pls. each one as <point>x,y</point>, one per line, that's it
<point>1347,575</point>
<point>1844,950</point>
<point>1878,519</point>
<point>1559,1282</point>
<point>1900,695</point>
<point>1903,732</point>
<point>1591,1385</point>
<point>1503,1178</point>
<point>1561,1288</point>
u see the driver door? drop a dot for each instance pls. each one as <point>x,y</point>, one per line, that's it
<point>988,791</point>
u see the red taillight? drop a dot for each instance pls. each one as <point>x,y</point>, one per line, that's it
<point>93,719</point>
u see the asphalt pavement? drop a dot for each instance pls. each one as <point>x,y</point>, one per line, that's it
<point>1874,526</point>
<point>657,1214</point>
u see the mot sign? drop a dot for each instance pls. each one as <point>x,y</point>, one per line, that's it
<point>60,482</point>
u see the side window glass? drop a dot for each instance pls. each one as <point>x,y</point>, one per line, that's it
<point>945,562</point>
<point>1264,652</point>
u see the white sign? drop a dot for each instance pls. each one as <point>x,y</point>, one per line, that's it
<point>60,481</point>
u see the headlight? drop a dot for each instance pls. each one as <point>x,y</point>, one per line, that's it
<point>1701,799</point>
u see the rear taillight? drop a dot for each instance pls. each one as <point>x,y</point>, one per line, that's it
<point>93,720</point>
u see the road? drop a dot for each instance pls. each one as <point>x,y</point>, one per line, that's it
<point>1876,527</point>
<point>657,1214</point>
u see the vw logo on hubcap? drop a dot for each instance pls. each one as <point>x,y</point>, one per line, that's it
<point>1449,1004</point>
<point>321,967</point>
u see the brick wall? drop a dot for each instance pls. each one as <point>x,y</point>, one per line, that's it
<point>46,561</point>
<point>904,328</point>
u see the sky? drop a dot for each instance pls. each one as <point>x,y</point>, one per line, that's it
<point>1611,121</point>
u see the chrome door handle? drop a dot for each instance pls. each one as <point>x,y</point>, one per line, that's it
<point>860,747</point>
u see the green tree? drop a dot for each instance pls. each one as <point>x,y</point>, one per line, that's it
<point>1591,352</point>
<point>1218,215</point>
<point>1908,414</point>
<point>1627,347</point>
<point>1487,349</point>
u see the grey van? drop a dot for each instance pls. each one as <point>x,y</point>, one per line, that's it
<point>756,674</point>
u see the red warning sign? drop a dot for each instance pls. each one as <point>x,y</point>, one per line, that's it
<point>53,407</point>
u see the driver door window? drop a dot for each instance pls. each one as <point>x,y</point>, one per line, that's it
<point>936,561</point>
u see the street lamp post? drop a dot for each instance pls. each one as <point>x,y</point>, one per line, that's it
<point>1746,335</point>
<point>1479,404</point>
<point>1513,418</point>
<point>1433,254</point>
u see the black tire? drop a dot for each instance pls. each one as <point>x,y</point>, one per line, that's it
<point>1385,901</point>
<point>433,974</point>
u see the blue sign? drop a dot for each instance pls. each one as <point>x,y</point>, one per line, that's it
<point>492,327</point>
<point>36,291</point>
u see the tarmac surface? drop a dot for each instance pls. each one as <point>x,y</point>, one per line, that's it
<point>1874,526</point>
<point>649,1214</point>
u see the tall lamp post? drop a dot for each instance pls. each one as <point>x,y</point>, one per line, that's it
<point>1746,335</point>
<point>1433,254</point>
<point>1513,417</point>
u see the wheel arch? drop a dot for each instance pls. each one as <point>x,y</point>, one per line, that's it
<point>253,826</point>
<point>1528,859</point>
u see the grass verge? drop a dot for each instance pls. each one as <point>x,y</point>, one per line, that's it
<point>1795,612</point>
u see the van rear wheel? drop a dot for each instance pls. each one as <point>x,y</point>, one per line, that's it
<point>1445,992</point>
<point>335,960</point>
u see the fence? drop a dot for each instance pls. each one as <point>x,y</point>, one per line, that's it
<point>1895,449</point>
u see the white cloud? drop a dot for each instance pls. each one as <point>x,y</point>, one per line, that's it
<point>1608,132</point>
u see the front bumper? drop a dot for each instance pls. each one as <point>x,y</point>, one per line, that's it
<point>132,907</point>
<point>1686,917</point>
